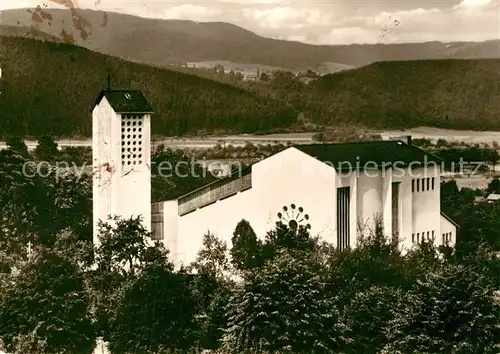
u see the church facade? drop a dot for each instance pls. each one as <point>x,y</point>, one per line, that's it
<point>338,191</point>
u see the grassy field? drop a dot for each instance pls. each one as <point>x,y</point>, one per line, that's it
<point>475,181</point>
<point>486,137</point>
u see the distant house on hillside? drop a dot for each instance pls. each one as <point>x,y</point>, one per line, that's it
<point>480,200</point>
<point>223,167</point>
<point>306,80</point>
<point>251,76</point>
<point>493,198</point>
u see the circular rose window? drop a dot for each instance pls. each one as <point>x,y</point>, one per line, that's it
<point>293,217</point>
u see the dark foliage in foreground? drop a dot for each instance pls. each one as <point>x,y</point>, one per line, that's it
<point>285,291</point>
<point>47,309</point>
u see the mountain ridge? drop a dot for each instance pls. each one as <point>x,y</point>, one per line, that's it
<point>164,42</point>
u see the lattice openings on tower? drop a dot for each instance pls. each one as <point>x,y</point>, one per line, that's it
<point>132,143</point>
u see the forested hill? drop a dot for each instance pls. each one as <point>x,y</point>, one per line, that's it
<point>460,94</point>
<point>49,88</point>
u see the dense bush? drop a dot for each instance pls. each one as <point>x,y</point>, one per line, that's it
<point>451,310</point>
<point>284,307</point>
<point>46,308</point>
<point>156,310</point>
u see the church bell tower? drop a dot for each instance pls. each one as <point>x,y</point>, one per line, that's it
<point>121,136</point>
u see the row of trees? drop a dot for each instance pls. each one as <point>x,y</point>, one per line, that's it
<point>469,155</point>
<point>237,77</point>
<point>479,222</point>
<point>48,150</point>
<point>289,293</point>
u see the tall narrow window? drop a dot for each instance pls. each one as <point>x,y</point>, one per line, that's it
<point>428,235</point>
<point>157,221</point>
<point>395,213</point>
<point>423,184</point>
<point>444,239</point>
<point>433,183</point>
<point>418,185</point>
<point>418,236</point>
<point>343,219</point>
<point>428,184</point>
<point>413,238</point>
<point>433,237</point>
<point>412,185</point>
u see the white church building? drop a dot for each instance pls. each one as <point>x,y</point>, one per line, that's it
<point>339,190</point>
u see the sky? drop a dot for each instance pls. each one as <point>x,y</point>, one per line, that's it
<point>321,22</point>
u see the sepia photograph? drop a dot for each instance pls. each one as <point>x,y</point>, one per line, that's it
<point>249,177</point>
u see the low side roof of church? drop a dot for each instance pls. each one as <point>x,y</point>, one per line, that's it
<point>125,101</point>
